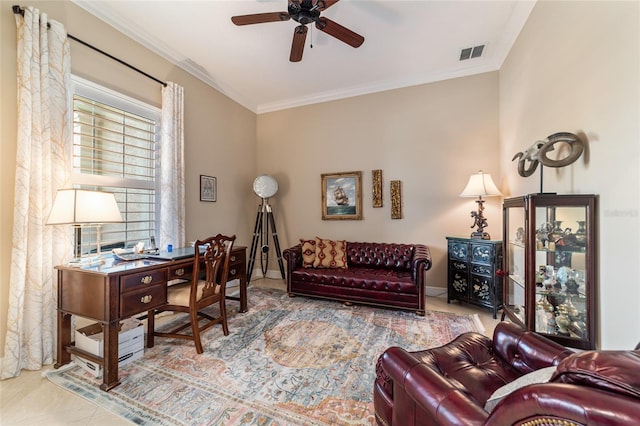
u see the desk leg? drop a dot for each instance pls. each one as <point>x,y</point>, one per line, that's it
<point>243,296</point>
<point>64,339</point>
<point>110,373</point>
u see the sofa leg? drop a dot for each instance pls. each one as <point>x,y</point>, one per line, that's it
<point>292,295</point>
<point>347,303</point>
<point>420,313</point>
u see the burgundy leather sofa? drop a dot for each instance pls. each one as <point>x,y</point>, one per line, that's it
<point>449,385</point>
<point>381,274</point>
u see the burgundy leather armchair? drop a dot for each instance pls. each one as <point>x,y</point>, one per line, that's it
<point>450,385</point>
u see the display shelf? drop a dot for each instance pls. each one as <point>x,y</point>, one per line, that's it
<point>550,266</point>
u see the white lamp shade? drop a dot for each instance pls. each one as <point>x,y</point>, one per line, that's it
<point>79,206</point>
<point>480,185</point>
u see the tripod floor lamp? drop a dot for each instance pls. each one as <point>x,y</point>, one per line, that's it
<point>264,187</point>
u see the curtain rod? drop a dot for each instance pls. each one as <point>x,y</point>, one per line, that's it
<point>20,10</point>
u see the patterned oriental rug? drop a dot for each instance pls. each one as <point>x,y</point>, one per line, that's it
<point>288,361</point>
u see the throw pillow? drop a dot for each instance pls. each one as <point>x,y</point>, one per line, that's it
<point>330,254</point>
<point>308,252</point>
<point>538,376</point>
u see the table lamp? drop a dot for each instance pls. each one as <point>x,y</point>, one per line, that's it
<point>80,207</point>
<point>479,185</point>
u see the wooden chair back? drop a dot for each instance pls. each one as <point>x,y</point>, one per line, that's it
<point>212,267</point>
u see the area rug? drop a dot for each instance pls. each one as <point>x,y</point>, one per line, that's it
<point>288,361</point>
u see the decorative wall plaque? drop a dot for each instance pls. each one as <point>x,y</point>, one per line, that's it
<point>396,199</point>
<point>376,176</point>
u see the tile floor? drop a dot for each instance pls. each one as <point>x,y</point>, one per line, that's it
<point>32,399</point>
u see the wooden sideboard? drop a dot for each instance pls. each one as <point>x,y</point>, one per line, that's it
<point>115,290</point>
<point>475,272</point>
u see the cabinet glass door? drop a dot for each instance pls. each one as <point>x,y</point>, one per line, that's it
<point>561,263</point>
<point>515,269</point>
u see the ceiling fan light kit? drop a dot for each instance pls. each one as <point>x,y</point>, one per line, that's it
<point>304,12</point>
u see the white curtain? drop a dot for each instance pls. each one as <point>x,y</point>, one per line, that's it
<point>43,166</point>
<point>171,206</point>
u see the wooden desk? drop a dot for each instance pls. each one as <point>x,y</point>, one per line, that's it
<point>117,290</point>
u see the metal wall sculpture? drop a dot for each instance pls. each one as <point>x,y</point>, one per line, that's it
<point>537,153</point>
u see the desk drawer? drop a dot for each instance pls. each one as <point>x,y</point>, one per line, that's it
<point>143,299</point>
<point>235,271</point>
<point>143,279</point>
<point>237,265</point>
<point>237,257</point>
<point>180,272</point>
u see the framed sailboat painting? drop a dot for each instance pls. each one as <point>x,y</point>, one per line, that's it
<point>342,196</point>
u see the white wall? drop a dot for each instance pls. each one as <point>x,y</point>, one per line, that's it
<point>575,68</point>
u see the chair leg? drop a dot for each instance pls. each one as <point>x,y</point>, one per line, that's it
<point>151,316</point>
<point>196,331</point>
<point>223,314</point>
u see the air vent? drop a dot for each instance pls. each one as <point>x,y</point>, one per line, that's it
<point>471,52</point>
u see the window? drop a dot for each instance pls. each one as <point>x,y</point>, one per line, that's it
<point>114,150</point>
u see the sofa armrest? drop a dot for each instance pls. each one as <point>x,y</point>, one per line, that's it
<point>416,388</point>
<point>559,401</point>
<point>293,256</point>
<point>524,350</point>
<point>613,371</point>
<point>421,261</point>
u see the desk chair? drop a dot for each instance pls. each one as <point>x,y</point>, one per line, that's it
<point>207,287</point>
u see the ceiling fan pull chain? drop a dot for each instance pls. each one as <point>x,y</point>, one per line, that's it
<point>311,39</point>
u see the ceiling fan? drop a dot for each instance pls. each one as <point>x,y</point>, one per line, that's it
<point>304,12</point>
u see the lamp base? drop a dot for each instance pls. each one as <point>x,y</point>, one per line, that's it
<point>479,235</point>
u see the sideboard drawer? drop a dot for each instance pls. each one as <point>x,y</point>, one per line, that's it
<point>134,281</point>
<point>143,299</point>
<point>459,251</point>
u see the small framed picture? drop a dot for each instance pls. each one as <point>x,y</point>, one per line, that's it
<point>208,189</point>
<point>342,196</point>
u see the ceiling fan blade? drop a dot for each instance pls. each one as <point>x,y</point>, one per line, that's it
<point>297,46</point>
<point>338,31</point>
<point>260,18</point>
<point>326,4</point>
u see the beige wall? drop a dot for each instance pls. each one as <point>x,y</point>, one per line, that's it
<point>431,137</point>
<point>575,68</point>
<point>220,135</point>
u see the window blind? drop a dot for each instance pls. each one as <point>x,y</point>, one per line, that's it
<point>115,151</point>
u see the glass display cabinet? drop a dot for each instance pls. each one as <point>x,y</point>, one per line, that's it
<point>550,244</point>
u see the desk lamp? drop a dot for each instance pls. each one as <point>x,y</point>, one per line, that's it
<point>479,185</point>
<point>80,207</point>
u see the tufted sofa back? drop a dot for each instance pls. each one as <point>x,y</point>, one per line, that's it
<point>380,255</point>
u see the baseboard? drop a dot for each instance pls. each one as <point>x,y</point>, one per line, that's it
<point>271,273</point>
<point>435,291</point>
